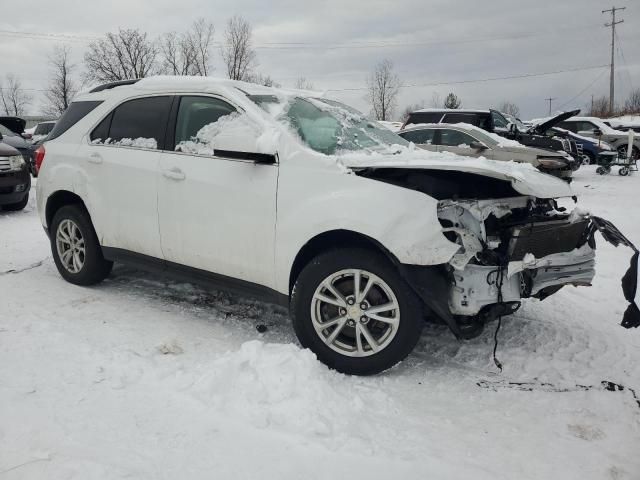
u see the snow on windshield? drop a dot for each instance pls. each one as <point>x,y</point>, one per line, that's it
<point>329,127</point>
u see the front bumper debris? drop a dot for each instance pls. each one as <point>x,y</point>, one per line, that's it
<point>504,257</point>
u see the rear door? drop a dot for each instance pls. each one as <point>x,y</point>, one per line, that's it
<point>122,158</point>
<point>217,199</point>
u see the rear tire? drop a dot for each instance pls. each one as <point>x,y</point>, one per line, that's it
<point>75,247</point>
<point>14,207</point>
<point>357,344</point>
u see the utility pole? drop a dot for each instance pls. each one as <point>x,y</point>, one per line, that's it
<point>613,24</point>
<point>549,100</point>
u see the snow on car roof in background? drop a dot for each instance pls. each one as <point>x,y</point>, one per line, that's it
<point>606,129</point>
<point>625,120</point>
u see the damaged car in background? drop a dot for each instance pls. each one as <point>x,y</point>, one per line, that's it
<point>311,205</point>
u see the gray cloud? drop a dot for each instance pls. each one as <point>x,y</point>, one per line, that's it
<point>429,42</point>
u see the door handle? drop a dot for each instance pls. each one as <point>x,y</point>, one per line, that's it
<point>95,158</point>
<point>174,174</point>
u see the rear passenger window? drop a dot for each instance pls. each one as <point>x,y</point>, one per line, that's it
<point>419,137</point>
<point>72,115</point>
<point>138,123</point>
<point>469,118</point>
<point>424,117</point>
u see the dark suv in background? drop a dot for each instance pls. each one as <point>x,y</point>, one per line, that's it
<point>15,181</point>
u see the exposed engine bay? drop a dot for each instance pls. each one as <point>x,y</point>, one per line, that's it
<point>512,246</point>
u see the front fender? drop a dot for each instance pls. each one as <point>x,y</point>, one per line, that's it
<point>315,201</point>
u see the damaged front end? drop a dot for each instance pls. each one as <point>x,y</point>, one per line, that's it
<point>514,241</point>
<point>510,249</point>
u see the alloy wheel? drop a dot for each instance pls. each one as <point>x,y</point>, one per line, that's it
<point>355,313</point>
<point>70,245</point>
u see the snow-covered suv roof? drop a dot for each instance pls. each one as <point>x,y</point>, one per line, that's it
<point>460,110</point>
<point>165,84</point>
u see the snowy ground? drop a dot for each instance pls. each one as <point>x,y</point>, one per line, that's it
<point>143,377</point>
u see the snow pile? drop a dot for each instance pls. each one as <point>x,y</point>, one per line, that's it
<point>231,132</point>
<point>284,387</point>
<point>139,142</point>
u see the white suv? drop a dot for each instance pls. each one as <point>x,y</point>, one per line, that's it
<point>303,201</point>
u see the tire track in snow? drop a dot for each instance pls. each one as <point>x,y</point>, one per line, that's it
<point>24,269</point>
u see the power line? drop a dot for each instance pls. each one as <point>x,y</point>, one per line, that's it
<point>583,90</point>
<point>480,80</point>
<point>316,45</point>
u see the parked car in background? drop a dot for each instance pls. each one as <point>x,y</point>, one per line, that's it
<point>592,151</point>
<point>371,236</point>
<point>493,121</point>
<point>15,181</point>
<point>470,141</point>
<point>393,126</point>
<point>42,130</point>
<point>596,128</point>
<point>16,141</point>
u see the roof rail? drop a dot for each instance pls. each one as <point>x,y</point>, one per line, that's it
<point>107,86</point>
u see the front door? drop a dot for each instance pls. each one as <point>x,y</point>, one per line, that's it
<point>216,203</point>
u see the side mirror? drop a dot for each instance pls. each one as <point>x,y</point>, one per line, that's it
<point>513,128</point>
<point>597,132</point>
<point>478,145</point>
<point>0,136</point>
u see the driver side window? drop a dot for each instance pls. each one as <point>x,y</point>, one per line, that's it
<point>499,121</point>
<point>196,127</point>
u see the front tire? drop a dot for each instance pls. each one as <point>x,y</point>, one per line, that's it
<point>352,308</point>
<point>75,247</point>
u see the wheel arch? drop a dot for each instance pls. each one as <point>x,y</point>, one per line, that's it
<point>330,240</point>
<point>59,199</point>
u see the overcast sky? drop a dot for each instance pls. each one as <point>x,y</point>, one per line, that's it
<point>336,43</point>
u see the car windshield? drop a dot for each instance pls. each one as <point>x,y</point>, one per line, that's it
<point>516,121</point>
<point>328,126</point>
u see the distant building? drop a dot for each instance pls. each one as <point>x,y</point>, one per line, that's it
<point>33,120</point>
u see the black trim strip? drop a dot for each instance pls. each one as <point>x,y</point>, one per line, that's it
<point>254,157</point>
<point>196,275</point>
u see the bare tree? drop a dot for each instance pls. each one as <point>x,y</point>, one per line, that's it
<point>261,79</point>
<point>599,107</point>
<point>510,108</point>
<point>412,108</point>
<point>452,101</point>
<point>188,53</point>
<point>122,55</point>
<point>383,87</point>
<point>303,83</point>
<point>62,87</point>
<point>436,100</point>
<point>13,97</point>
<point>632,104</point>
<point>237,53</point>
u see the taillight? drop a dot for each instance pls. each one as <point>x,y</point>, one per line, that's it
<point>39,156</point>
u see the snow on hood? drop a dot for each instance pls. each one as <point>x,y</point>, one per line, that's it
<point>524,178</point>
